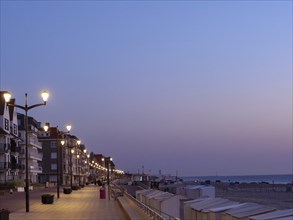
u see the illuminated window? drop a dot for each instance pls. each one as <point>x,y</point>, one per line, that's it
<point>53,155</point>
<point>54,166</point>
<point>6,124</point>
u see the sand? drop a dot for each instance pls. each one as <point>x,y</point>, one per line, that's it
<point>275,196</point>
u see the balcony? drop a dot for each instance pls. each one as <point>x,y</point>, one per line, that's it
<point>4,147</point>
<point>35,155</point>
<point>5,165</point>
<point>15,149</point>
<point>15,166</point>
<point>35,168</point>
<point>35,143</point>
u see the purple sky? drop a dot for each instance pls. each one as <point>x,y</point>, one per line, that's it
<point>202,88</point>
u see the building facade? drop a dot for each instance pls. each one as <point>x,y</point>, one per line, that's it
<point>34,148</point>
<point>9,142</point>
<point>45,152</point>
<point>70,157</point>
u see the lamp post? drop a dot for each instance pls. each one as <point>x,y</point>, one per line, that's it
<point>107,163</point>
<point>26,108</point>
<point>71,168</point>
<point>78,168</point>
<point>76,159</point>
<point>68,127</point>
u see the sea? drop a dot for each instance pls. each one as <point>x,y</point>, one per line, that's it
<point>273,179</point>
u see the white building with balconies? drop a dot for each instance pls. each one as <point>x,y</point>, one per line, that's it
<point>34,147</point>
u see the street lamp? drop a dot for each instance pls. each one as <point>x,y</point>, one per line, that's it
<point>71,168</point>
<point>107,162</point>
<point>26,108</point>
<point>76,160</point>
<point>77,168</point>
<point>68,127</point>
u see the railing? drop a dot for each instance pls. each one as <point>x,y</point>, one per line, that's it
<point>151,212</point>
<point>5,165</point>
<point>15,166</point>
<point>35,142</point>
<point>15,149</point>
<point>35,154</point>
<point>4,147</point>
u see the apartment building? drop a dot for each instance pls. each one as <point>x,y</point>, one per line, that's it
<point>34,147</point>
<point>71,158</point>
<point>9,142</point>
<point>44,149</point>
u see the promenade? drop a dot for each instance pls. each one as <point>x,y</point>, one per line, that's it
<point>84,204</point>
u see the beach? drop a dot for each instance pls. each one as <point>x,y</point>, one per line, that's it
<point>279,196</point>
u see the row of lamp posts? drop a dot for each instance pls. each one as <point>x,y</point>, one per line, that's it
<point>45,95</point>
<point>68,127</point>
<point>26,108</point>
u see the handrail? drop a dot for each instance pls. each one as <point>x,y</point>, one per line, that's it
<point>154,214</point>
<point>148,210</point>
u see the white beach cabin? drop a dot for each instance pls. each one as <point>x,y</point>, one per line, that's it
<point>274,215</point>
<point>209,203</point>
<point>245,211</point>
<point>188,209</point>
<point>138,193</point>
<point>216,213</point>
<point>200,191</point>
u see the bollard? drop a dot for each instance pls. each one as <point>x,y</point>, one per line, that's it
<point>102,193</point>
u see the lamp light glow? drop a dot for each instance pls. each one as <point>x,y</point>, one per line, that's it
<point>45,96</point>
<point>7,96</point>
<point>46,127</point>
<point>68,127</point>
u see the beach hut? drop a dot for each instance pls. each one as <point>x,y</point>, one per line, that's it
<point>146,195</point>
<point>285,218</point>
<point>207,191</point>
<point>216,213</point>
<point>175,188</point>
<point>228,215</point>
<point>138,193</point>
<point>172,206</point>
<point>205,204</point>
<point>155,201</point>
<point>278,214</point>
<point>167,204</point>
<point>245,211</point>
<point>200,191</point>
<point>151,195</point>
<point>187,207</point>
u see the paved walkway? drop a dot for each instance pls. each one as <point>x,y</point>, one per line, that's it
<point>84,204</point>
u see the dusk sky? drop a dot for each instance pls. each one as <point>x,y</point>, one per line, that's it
<point>198,87</point>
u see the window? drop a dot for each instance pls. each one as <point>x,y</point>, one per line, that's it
<point>14,129</point>
<point>53,155</point>
<point>6,124</point>
<point>53,144</point>
<point>54,166</point>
